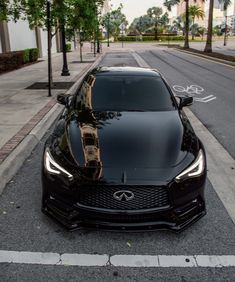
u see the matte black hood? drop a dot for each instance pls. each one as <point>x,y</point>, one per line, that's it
<point>130,142</point>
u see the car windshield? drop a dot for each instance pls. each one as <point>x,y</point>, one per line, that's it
<point>125,93</point>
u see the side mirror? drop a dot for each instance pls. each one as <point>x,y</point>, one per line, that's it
<point>185,101</point>
<point>63,99</point>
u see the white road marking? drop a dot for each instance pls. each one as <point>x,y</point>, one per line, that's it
<point>134,261</point>
<point>29,257</point>
<point>193,90</point>
<point>89,260</point>
<point>205,99</point>
<point>221,166</point>
<point>84,259</point>
<point>140,61</point>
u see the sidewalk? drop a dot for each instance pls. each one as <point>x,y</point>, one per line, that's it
<point>23,110</point>
<point>217,46</point>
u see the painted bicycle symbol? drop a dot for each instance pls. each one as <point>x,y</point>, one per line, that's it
<point>190,90</point>
<point>193,90</point>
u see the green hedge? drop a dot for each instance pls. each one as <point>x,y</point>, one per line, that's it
<point>33,54</point>
<point>134,38</point>
<point>151,38</point>
<point>68,47</point>
<point>26,56</point>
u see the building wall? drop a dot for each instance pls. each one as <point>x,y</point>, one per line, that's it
<point>200,3</point>
<point>181,6</point>
<point>21,36</point>
<point>106,7</point>
<point>44,43</point>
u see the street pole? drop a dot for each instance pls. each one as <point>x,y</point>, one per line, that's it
<point>94,46</point>
<point>65,70</point>
<point>98,41</point>
<point>49,46</point>
<point>225,30</point>
<point>122,35</point>
<point>108,28</point>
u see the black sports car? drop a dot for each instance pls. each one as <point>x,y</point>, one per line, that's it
<point>123,156</point>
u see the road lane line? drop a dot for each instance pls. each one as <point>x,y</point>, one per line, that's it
<point>84,259</point>
<point>134,261</point>
<point>88,260</point>
<point>29,257</point>
<point>221,166</point>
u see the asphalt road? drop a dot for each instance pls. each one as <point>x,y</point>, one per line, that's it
<point>24,228</point>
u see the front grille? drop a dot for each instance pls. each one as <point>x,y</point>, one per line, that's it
<point>145,197</point>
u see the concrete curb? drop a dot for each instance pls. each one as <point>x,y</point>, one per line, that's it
<point>207,57</point>
<point>10,166</point>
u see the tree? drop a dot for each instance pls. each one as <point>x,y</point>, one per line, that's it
<point>169,4</point>
<point>179,24</point>
<point>195,12</point>
<point>83,18</point>
<point>112,21</point>
<point>208,46</point>
<point>217,30</point>
<point>201,30</point>
<point>69,13</point>
<point>155,13</point>
<point>141,24</point>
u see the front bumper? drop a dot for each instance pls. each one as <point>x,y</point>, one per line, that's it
<point>182,212</point>
<point>175,220</point>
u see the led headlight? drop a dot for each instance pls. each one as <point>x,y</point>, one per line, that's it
<point>194,170</point>
<point>53,167</point>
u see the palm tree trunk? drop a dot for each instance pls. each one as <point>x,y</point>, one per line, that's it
<point>193,29</point>
<point>186,44</point>
<point>80,44</point>
<point>208,47</point>
<point>156,31</point>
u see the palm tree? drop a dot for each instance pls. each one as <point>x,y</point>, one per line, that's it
<point>196,12</point>
<point>154,13</point>
<point>169,4</point>
<point>179,23</point>
<point>208,47</point>
<point>201,30</point>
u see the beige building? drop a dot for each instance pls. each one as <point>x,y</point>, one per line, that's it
<point>200,3</point>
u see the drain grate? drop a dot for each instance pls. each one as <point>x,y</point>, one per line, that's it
<point>55,85</point>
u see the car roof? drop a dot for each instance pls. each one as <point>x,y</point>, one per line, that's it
<point>125,70</point>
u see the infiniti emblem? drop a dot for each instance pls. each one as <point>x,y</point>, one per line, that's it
<point>123,195</point>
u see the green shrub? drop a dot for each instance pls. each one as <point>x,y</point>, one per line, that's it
<point>152,38</point>
<point>26,55</point>
<point>68,47</point>
<point>33,54</point>
<point>148,38</point>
